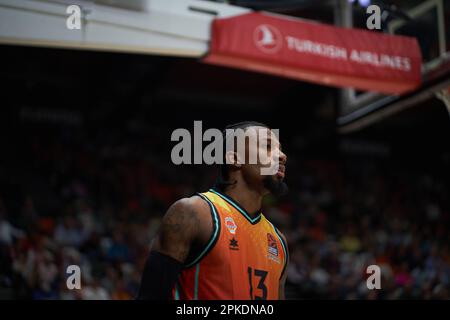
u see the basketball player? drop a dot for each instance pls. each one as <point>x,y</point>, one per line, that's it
<point>218,245</point>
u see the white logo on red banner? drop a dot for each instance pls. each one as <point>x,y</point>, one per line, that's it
<point>267,38</point>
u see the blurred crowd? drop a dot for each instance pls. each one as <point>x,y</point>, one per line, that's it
<point>347,217</point>
<point>98,205</point>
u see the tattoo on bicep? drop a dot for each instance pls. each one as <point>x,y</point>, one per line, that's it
<point>177,232</point>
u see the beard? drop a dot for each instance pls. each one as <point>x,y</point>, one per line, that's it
<point>277,187</point>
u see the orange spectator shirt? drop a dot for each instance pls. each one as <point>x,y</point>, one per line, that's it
<point>244,259</point>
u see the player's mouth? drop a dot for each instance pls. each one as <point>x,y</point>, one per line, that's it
<point>281,171</point>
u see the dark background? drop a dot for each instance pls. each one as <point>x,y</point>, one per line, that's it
<point>86,175</point>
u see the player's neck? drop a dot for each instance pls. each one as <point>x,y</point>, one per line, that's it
<point>250,200</point>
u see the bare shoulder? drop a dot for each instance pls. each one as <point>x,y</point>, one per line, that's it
<point>186,221</point>
<point>193,204</point>
<point>186,215</point>
<point>187,211</point>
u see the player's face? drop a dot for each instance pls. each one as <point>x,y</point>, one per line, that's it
<point>269,171</point>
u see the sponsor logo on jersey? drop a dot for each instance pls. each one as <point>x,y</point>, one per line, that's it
<point>234,244</point>
<point>231,226</point>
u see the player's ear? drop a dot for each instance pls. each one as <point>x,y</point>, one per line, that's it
<point>232,158</point>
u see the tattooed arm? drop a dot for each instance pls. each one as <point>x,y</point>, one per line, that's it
<point>186,223</point>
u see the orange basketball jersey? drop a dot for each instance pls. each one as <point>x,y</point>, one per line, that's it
<point>244,259</point>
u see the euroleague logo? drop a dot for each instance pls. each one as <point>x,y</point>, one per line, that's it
<point>267,38</point>
<point>273,248</point>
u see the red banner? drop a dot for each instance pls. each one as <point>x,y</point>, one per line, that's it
<point>316,52</point>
